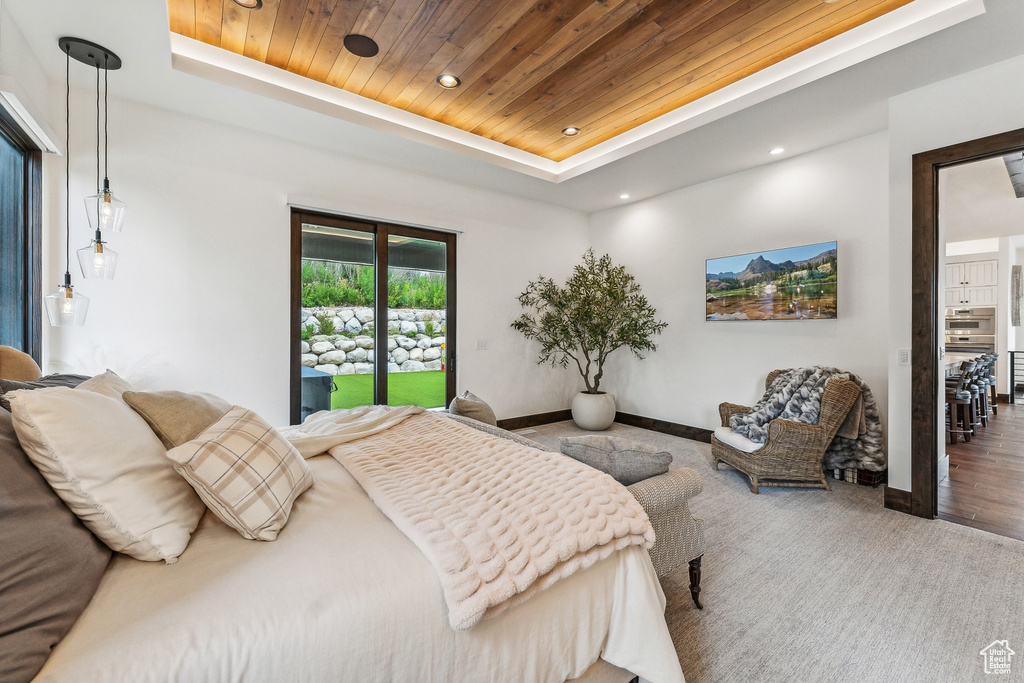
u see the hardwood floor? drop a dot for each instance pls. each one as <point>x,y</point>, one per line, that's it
<point>985,486</point>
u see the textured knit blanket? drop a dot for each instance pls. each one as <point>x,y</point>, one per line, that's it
<point>796,395</point>
<point>498,520</point>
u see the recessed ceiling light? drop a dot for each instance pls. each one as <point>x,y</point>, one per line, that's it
<point>360,46</point>
<point>249,4</point>
<point>623,196</point>
<point>777,150</point>
<point>448,81</point>
<point>570,131</point>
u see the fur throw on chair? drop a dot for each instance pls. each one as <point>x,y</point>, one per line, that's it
<point>796,395</point>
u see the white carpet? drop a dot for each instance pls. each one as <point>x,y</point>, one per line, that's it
<point>811,585</point>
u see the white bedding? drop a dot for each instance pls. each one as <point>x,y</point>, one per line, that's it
<point>342,595</point>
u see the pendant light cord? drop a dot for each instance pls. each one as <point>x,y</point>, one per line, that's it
<point>106,110</point>
<point>67,162</point>
<point>98,176</point>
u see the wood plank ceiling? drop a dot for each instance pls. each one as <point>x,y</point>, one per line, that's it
<point>528,69</point>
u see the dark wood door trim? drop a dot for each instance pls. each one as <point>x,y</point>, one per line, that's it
<point>924,310</point>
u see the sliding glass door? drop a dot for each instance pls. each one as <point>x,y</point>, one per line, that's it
<point>373,314</point>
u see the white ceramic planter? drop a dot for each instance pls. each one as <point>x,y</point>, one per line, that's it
<point>593,412</point>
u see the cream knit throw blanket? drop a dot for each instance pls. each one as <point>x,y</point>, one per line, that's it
<point>499,521</point>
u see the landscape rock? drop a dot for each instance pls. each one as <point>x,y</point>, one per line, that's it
<point>353,325</point>
<point>329,369</point>
<point>364,368</point>
<point>321,347</point>
<point>364,342</point>
<point>407,327</point>
<point>309,360</point>
<point>364,315</point>
<point>433,365</point>
<point>392,344</point>
<point>412,366</point>
<point>392,367</point>
<point>406,315</point>
<point>406,343</point>
<point>424,343</point>
<point>345,314</point>
<point>346,369</point>
<point>335,357</point>
<point>399,355</point>
<point>304,347</point>
<point>344,344</point>
<point>416,354</point>
<point>437,341</point>
<point>319,338</point>
<point>433,353</point>
<point>357,356</point>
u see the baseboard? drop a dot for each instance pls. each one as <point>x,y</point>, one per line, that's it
<point>897,499</point>
<point>665,427</point>
<point>514,423</point>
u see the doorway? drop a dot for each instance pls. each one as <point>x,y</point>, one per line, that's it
<point>373,314</point>
<point>925,322</point>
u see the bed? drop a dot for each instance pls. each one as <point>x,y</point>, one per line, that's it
<point>343,595</point>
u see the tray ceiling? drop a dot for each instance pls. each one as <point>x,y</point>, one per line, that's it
<point>528,69</point>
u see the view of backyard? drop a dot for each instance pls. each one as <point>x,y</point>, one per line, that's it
<point>338,332</point>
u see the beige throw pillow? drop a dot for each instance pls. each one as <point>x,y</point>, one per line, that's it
<point>472,406</point>
<point>106,464</point>
<point>176,417</point>
<point>244,471</point>
<point>108,384</point>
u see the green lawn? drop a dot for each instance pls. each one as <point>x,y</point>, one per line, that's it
<point>405,388</point>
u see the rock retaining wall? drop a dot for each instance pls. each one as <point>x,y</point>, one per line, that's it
<point>415,340</point>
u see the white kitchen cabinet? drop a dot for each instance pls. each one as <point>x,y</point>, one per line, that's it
<point>971,283</point>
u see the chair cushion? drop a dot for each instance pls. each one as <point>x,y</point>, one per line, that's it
<point>736,440</point>
<point>627,461</point>
<point>17,365</point>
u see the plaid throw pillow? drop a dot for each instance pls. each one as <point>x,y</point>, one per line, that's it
<point>244,471</point>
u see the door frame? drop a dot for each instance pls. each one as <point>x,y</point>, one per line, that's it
<point>380,230</point>
<point>925,375</point>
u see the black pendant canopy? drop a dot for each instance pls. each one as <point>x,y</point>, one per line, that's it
<point>88,52</point>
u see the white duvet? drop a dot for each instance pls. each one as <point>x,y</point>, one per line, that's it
<point>343,595</point>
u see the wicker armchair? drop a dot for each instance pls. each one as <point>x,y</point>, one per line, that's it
<point>793,453</point>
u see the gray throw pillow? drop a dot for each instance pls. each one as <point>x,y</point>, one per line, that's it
<point>472,406</point>
<point>50,564</point>
<point>627,461</point>
<point>7,385</point>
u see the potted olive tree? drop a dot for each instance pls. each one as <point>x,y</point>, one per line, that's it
<point>599,309</point>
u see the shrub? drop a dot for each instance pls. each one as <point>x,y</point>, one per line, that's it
<point>326,324</point>
<point>307,332</point>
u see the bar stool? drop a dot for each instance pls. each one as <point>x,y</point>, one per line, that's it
<point>960,403</point>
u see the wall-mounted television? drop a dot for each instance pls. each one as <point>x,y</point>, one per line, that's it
<point>797,283</point>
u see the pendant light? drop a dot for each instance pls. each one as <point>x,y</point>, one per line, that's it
<point>105,211</point>
<point>96,260</point>
<point>64,307</point>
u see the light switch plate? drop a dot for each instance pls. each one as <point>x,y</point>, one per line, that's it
<point>903,357</point>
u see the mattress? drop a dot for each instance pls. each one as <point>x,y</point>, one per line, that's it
<point>343,595</point>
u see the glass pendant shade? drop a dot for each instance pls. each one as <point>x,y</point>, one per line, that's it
<point>64,307</point>
<point>105,211</point>
<point>97,260</point>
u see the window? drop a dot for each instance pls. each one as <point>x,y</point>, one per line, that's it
<point>373,308</point>
<point>20,237</point>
